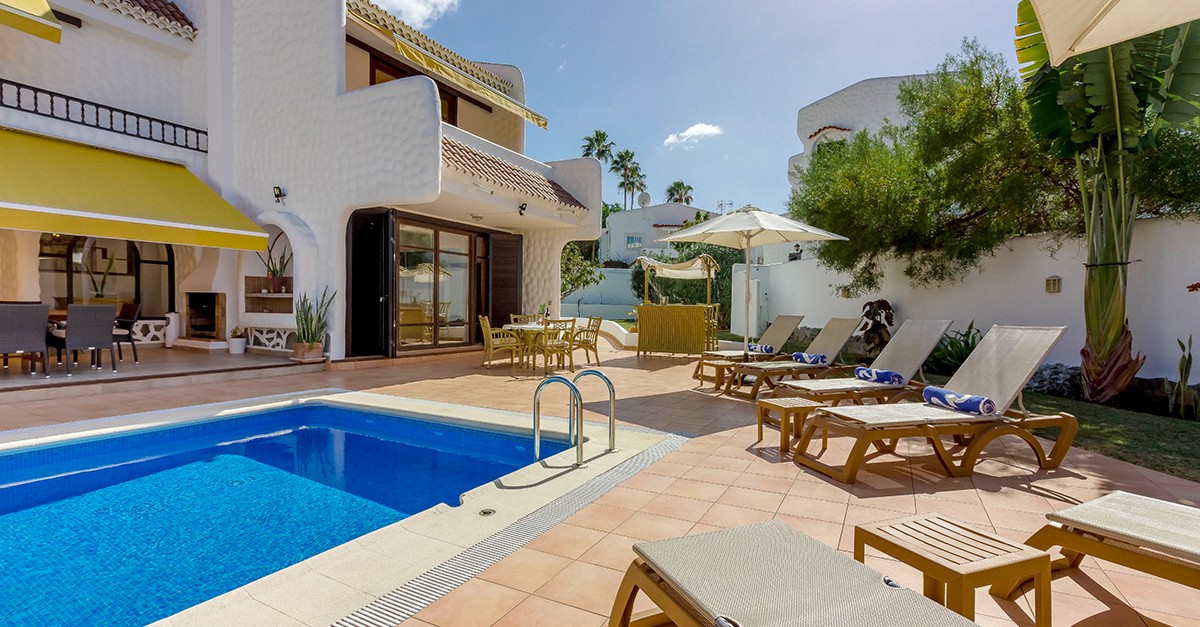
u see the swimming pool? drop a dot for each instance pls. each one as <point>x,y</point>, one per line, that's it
<point>129,529</point>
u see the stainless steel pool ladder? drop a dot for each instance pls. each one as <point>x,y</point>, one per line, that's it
<point>612,405</point>
<point>574,414</point>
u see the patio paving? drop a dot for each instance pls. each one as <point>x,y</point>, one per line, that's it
<point>721,478</point>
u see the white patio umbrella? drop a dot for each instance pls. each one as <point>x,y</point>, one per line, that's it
<point>1076,26</point>
<point>746,228</point>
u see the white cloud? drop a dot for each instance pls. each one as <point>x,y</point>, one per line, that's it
<point>692,135</point>
<point>419,13</point>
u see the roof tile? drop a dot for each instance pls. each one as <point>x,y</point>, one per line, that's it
<point>465,159</point>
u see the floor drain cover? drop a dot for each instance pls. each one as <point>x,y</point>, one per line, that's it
<point>486,512</point>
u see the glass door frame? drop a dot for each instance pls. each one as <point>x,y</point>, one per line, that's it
<point>471,258</point>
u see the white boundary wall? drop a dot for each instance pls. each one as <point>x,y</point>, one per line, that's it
<point>1010,289</point>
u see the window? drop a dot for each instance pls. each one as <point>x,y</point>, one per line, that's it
<point>633,241</point>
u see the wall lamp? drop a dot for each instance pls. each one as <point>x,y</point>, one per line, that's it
<point>279,193</point>
<point>521,209</point>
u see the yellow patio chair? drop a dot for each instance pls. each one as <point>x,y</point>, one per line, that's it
<point>587,338</point>
<point>557,338</point>
<point>495,340</point>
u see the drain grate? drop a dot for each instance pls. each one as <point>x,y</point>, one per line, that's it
<point>403,602</point>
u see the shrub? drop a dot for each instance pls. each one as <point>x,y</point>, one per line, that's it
<point>953,350</point>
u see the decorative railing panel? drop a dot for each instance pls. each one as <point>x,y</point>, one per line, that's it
<point>50,104</point>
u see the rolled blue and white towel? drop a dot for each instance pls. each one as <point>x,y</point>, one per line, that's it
<point>813,359</point>
<point>889,377</point>
<point>762,348</point>
<point>969,403</point>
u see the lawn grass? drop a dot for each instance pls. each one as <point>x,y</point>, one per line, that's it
<point>626,324</point>
<point>1169,445</point>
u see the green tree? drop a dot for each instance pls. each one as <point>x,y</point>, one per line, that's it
<point>578,271</point>
<point>598,145</point>
<point>679,192</point>
<point>623,165</point>
<point>633,183</point>
<point>942,191</point>
<point>608,209</point>
<point>1107,110</point>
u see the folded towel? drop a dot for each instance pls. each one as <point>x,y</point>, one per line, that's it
<point>815,359</point>
<point>969,403</point>
<point>879,376</point>
<point>762,348</point>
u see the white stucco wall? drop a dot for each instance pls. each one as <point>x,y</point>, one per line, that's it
<point>1010,289</point>
<point>640,222</point>
<point>866,104</point>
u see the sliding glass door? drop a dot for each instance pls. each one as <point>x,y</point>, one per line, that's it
<point>434,299</point>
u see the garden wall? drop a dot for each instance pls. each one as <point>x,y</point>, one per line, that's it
<point>1010,288</point>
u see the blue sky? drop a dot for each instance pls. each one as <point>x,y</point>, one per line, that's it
<point>643,70</point>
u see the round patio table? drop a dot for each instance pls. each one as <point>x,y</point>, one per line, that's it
<point>528,332</point>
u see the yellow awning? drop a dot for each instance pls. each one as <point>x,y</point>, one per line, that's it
<point>464,82</point>
<point>53,186</point>
<point>31,16</point>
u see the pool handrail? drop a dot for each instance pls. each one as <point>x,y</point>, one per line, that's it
<point>575,413</point>
<point>612,405</point>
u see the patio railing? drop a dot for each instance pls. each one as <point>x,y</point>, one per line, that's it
<point>50,104</point>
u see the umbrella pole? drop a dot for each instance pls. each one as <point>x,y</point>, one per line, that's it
<point>746,320</point>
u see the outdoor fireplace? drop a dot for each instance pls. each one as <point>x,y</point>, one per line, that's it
<point>205,316</point>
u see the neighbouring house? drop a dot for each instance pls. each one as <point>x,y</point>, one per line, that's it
<point>150,148</point>
<point>630,234</point>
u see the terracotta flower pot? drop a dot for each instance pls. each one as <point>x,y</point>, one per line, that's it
<point>310,352</point>
<point>276,284</point>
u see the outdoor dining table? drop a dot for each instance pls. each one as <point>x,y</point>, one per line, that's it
<point>528,332</point>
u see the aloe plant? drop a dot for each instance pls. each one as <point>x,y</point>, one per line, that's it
<point>276,266</point>
<point>1103,109</point>
<point>1180,397</point>
<point>312,317</point>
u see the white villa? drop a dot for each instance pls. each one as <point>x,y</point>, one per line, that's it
<point>150,147</point>
<point>635,232</point>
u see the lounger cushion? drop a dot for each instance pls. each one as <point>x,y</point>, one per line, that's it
<point>970,403</point>
<point>770,575</point>
<point>815,359</point>
<point>1144,522</point>
<point>879,376</point>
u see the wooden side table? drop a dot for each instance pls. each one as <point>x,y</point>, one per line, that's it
<point>792,411</point>
<point>720,367</point>
<point>957,558</point>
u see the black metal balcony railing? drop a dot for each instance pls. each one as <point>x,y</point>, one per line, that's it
<point>46,103</point>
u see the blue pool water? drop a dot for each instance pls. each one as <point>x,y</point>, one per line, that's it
<point>127,530</point>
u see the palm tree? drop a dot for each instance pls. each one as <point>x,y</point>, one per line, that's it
<point>598,145</point>
<point>679,192</point>
<point>1105,109</point>
<point>620,165</point>
<point>632,182</point>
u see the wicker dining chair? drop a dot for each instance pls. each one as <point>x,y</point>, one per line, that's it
<point>522,319</point>
<point>123,331</point>
<point>24,332</point>
<point>499,340</point>
<point>557,338</point>
<point>587,338</point>
<point>89,327</point>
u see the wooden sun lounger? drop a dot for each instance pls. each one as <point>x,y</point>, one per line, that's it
<point>764,575</point>
<point>904,354</point>
<point>830,341</point>
<point>999,368</point>
<point>1156,537</point>
<point>777,334</point>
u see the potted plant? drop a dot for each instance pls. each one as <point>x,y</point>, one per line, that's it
<point>312,323</point>
<point>877,316</point>
<point>237,341</point>
<point>276,266</point>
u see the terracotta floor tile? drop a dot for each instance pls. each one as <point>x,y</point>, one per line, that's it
<point>1160,595</point>
<point>730,516</point>
<point>626,498</point>
<point>712,475</point>
<point>525,570</point>
<point>613,551</point>
<point>537,610</point>
<point>753,499</point>
<point>700,490</point>
<point>765,483</point>
<point>723,463</point>
<point>805,507</point>
<point>677,507</point>
<point>648,482</point>
<point>600,517</point>
<point>566,540</point>
<point>476,603</point>
<point>584,586</point>
<point>645,526</point>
